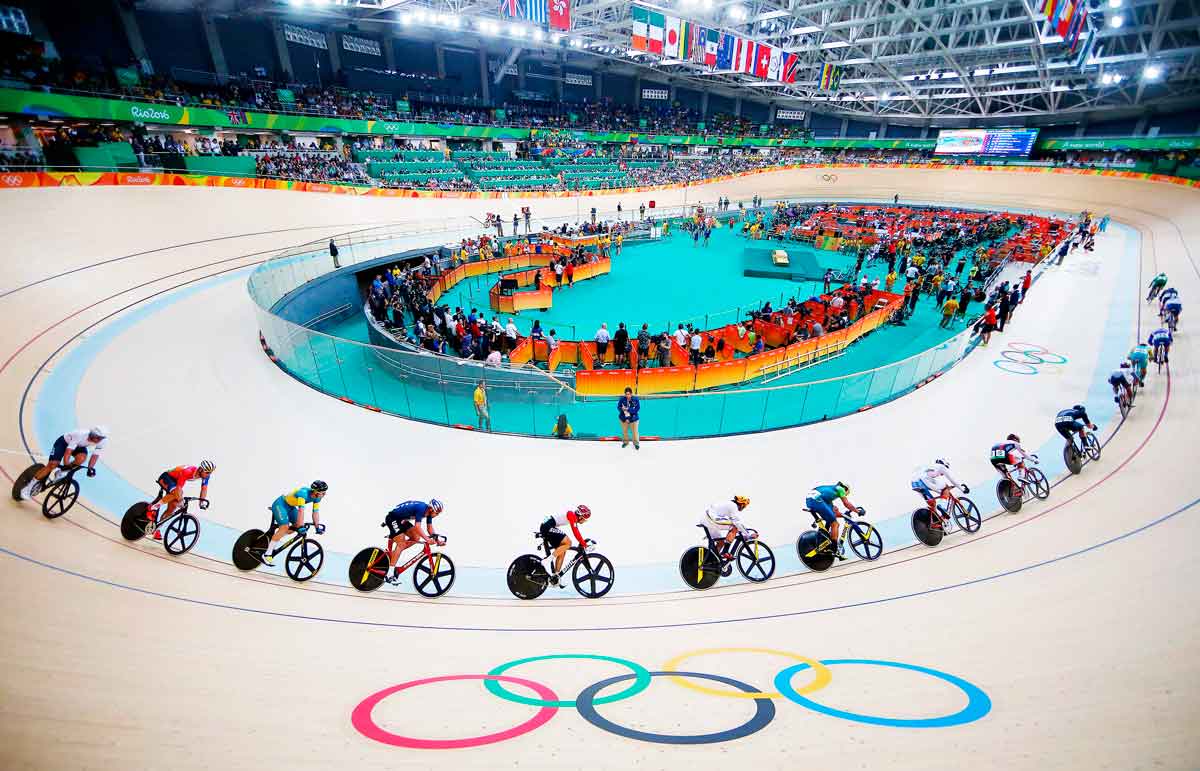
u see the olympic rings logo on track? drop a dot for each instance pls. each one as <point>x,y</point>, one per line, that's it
<point>1024,359</point>
<point>548,702</point>
<point>829,177</point>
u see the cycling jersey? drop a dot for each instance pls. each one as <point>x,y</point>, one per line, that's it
<point>416,511</point>
<point>827,493</point>
<point>725,514</point>
<point>1139,355</point>
<point>1119,376</point>
<point>1174,306</point>
<point>80,437</point>
<point>1161,336</point>
<point>935,477</point>
<point>1168,295</point>
<point>301,496</point>
<point>1007,452</point>
<point>1072,415</point>
<point>180,476</point>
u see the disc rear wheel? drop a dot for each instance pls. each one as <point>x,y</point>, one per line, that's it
<point>699,567</point>
<point>368,569</point>
<point>527,577</point>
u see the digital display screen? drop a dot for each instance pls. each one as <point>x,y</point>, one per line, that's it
<point>1010,143</point>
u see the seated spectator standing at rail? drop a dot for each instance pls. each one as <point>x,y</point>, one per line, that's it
<point>643,340</point>
<point>664,349</point>
<point>602,338</point>
<point>621,345</point>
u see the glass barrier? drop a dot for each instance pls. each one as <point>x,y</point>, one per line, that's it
<point>525,399</point>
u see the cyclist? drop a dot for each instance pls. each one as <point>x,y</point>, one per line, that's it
<point>560,542</point>
<point>77,442</point>
<point>404,528</point>
<point>1139,357</point>
<point>1168,294</point>
<point>722,522</point>
<point>1073,420</point>
<point>1009,453</point>
<point>1156,285</point>
<point>1122,377</point>
<point>170,490</point>
<point>820,501</point>
<point>929,482</point>
<point>287,513</point>
<point>1161,338</point>
<point>1172,309</point>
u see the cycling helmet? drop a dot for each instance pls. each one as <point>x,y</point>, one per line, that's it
<point>741,501</point>
<point>583,513</point>
<point>318,486</point>
<point>1014,438</point>
<point>1079,407</point>
<point>98,431</point>
<point>207,467</point>
<point>436,505</point>
<point>941,462</point>
<point>842,488</point>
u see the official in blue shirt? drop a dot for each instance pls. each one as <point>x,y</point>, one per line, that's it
<point>628,407</point>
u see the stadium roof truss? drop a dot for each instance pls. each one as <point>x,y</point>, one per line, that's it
<point>903,59</point>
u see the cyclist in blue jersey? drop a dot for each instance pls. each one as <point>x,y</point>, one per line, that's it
<point>1074,420</point>
<point>820,501</point>
<point>404,528</point>
<point>1168,294</point>
<point>1172,309</point>
<point>287,514</point>
<point>1139,357</point>
<point>1161,338</point>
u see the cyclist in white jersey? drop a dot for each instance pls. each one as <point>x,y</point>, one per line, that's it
<point>929,481</point>
<point>722,521</point>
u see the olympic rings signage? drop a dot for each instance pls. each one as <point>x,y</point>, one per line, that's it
<point>828,177</point>
<point>500,684</point>
<point>1025,358</point>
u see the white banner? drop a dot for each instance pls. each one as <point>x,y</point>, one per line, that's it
<point>361,45</point>
<point>789,114</point>
<point>305,37</point>
<point>656,93</point>
<point>577,79</point>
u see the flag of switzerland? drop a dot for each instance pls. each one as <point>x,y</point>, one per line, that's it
<point>763,65</point>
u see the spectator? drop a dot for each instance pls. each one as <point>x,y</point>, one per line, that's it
<point>621,345</point>
<point>643,340</point>
<point>949,308</point>
<point>481,407</point>
<point>562,429</point>
<point>602,338</point>
<point>989,323</point>
<point>628,412</point>
<point>333,252</point>
<point>1026,282</point>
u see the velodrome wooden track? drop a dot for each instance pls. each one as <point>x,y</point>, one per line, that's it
<point>1077,618</point>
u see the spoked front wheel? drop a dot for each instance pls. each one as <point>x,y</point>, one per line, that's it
<point>923,529</point>
<point>304,560</point>
<point>865,540</point>
<point>1037,484</point>
<point>756,561</point>
<point>966,515</point>
<point>699,567</point>
<point>368,569</point>
<point>434,575</point>
<point>1091,447</point>
<point>593,576</point>
<point>181,534</point>
<point>527,577</point>
<point>60,498</point>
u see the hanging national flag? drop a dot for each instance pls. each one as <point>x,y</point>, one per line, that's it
<point>510,8</point>
<point>687,42</point>
<point>831,77</point>
<point>1048,7</point>
<point>775,68</point>
<point>671,37</point>
<point>640,40</point>
<point>1076,28</point>
<point>710,49</point>
<point>726,47</point>
<point>699,37</point>
<point>535,11</point>
<point>1086,50</point>
<point>1065,12</point>
<point>762,60</point>
<point>791,68</point>
<point>560,14</point>
<point>743,57</point>
<point>656,24</point>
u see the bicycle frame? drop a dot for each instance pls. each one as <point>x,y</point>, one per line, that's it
<point>425,553</point>
<point>567,566</point>
<point>739,542</point>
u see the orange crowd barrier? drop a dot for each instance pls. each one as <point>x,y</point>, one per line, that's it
<point>522,353</point>
<point>660,380</point>
<point>604,382</point>
<point>720,373</point>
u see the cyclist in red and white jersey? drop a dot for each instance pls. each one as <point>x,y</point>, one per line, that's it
<point>170,490</point>
<point>552,531</point>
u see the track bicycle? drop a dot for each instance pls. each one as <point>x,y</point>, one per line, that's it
<point>304,555</point>
<point>179,532</point>
<point>1172,319</point>
<point>1076,452</point>
<point>1154,290</point>
<point>433,574</point>
<point>591,573</point>
<point>701,566</point>
<point>60,487</point>
<point>1124,399</point>
<point>1160,355</point>
<point>1024,483</point>
<point>817,549</point>
<point>955,511</point>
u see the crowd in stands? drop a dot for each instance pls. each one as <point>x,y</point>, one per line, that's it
<point>310,167</point>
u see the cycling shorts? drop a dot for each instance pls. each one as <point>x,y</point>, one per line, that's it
<point>819,507</point>
<point>1115,381</point>
<point>919,486</point>
<point>398,525</point>
<point>283,514</point>
<point>167,482</point>
<point>1069,428</point>
<point>551,533</point>
<point>60,450</point>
